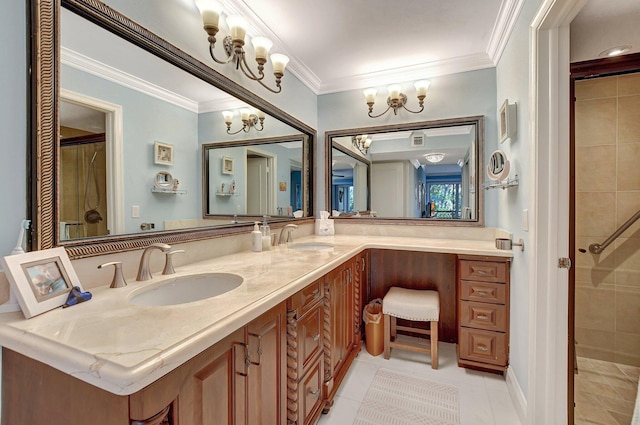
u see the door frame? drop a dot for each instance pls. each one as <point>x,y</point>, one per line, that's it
<point>114,155</point>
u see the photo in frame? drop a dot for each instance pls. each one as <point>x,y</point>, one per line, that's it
<point>227,165</point>
<point>162,153</point>
<point>41,280</point>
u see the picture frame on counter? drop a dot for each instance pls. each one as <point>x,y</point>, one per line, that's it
<point>41,280</point>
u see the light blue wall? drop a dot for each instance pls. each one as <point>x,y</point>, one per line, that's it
<point>449,96</point>
<point>147,119</point>
<point>513,84</point>
<point>13,121</point>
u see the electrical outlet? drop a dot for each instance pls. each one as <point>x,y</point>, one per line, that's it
<point>525,220</point>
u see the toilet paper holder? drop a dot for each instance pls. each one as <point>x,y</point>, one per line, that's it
<point>504,243</point>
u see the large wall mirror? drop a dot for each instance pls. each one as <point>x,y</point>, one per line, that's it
<point>114,105</point>
<point>428,172</point>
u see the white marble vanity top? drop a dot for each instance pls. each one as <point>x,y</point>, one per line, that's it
<point>122,348</point>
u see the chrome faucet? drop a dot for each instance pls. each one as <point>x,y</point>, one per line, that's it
<point>287,231</point>
<point>144,273</point>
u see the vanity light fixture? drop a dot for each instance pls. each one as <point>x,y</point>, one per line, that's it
<point>397,99</point>
<point>234,44</point>
<point>435,157</point>
<point>362,142</point>
<point>249,120</point>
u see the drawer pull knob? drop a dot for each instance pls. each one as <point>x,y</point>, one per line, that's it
<point>482,293</point>
<point>482,347</point>
<point>482,317</point>
<point>315,337</point>
<point>315,293</point>
<point>482,272</point>
<point>315,393</point>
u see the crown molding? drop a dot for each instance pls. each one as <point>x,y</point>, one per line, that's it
<point>507,17</point>
<point>409,73</point>
<point>83,63</point>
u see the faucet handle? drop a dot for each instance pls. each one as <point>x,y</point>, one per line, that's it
<point>118,279</point>
<point>168,264</point>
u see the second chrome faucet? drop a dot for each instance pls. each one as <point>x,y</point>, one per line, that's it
<point>144,271</point>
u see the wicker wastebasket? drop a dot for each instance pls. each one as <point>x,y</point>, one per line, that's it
<point>374,327</point>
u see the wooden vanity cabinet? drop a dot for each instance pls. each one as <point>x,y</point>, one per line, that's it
<point>483,312</point>
<point>241,380</point>
<point>305,354</point>
<point>342,324</point>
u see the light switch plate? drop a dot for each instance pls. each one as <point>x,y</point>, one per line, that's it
<point>525,220</point>
<point>135,211</point>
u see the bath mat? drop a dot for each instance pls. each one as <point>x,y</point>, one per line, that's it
<point>397,399</point>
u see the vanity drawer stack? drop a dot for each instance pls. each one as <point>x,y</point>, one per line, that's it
<point>305,360</point>
<point>483,312</point>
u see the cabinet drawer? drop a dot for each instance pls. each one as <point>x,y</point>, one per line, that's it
<point>492,317</point>
<point>483,291</point>
<point>307,298</point>
<point>309,338</point>
<point>485,271</point>
<point>310,394</point>
<point>483,346</point>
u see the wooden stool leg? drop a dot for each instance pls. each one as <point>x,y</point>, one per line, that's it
<point>387,336</point>
<point>434,345</point>
<point>394,330</point>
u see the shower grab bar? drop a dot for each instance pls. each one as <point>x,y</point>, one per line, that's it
<point>597,248</point>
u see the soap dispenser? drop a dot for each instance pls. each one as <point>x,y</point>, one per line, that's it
<point>266,234</point>
<point>256,238</point>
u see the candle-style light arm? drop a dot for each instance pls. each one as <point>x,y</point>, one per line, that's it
<point>253,121</point>
<point>396,104</point>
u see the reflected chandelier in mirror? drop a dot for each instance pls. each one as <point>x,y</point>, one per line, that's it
<point>427,172</point>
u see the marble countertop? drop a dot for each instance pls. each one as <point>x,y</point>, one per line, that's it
<point>121,348</point>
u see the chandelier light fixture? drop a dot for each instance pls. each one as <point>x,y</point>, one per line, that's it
<point>435,157</point>
<point>397,99</point>
<point>362,142</point>
<point>234,44</point>
<point>249,120</point>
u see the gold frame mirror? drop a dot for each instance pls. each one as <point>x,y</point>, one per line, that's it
<point>44,151</point>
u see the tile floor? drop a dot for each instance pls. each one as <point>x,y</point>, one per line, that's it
<point>605,392</point>
<point>484,399</point>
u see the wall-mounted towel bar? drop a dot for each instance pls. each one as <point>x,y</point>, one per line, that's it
<point>597,248</point>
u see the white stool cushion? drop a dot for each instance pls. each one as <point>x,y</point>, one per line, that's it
<point>412,304</point>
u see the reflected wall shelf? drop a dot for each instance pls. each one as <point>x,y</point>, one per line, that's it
<point>227,194</point>
<point>502,184</point>
<point>169,191</point>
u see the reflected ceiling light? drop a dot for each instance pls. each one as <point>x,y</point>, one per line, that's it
<point>234,44</point>
<point>362,142</point>
<point>461,163</point>
<point>397,99</point>
<point>435,157</point>
<point>615,51</point>
<point>249,120</point>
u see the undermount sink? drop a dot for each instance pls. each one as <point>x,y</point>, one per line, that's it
<point>311,246</point>
<point>186,289</point>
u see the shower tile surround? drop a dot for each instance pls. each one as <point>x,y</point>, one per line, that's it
<point>607,194</point>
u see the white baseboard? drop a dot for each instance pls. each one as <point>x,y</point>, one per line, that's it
<point>517,396</point>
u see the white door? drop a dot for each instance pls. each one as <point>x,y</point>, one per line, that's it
<point>257,186</point>
<point>387,189</point>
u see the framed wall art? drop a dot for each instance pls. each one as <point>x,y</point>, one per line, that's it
<point>162,153</point>
<point>41,280</point>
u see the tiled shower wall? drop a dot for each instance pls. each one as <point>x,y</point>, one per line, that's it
<point>607,130</point>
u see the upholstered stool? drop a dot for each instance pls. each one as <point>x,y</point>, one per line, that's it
<point>416,305</point>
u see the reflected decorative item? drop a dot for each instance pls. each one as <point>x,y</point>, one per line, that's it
<point>507,120</point>
<point>234,44</point>
<point>41,280</point>
<point>397,99</point>
<point>227,165</point>
<point>162,153</point>
<point>362,142</point>
<point>434,157</point>
<point>249,120</point>
<point>163,180</point>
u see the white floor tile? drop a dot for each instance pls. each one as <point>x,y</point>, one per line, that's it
<point>484,397</point>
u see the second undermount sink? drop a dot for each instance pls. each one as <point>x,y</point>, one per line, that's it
<point>311,246</point>
<point>186,289</point>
